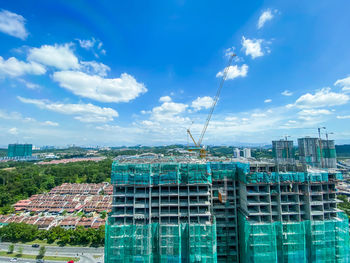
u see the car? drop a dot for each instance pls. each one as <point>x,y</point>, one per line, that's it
<point>35,245</point>
<point>13,260</point>
<point>40,261</point>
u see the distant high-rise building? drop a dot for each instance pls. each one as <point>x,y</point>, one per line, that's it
<point>236,153</point>
<point>317,152</point>
<point>283,152</point>
<point>19,150</point>
<point>247,153</point>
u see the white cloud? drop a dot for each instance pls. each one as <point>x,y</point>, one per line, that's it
<point>51,123</point>
<point>93,67</point>
<point>322,98</point>
<point>87,44</point>
<point>13,131</point>
<point>345,83</point>
<point>314,112</point>
<point>58,56</point>
<point>202,103</point>
<point>13,24</point>
<point>252,47</point>
<point>258,115</point>
<point>165,99</point>
<point>343,117</point>
<point>287,93</point>
<point>235,71</point>
<point>264,17</point>
<point>121,89</point>
<point>268,100</point>
<point>14,68</point>
<point>83,112</point>
<point>29,85</point>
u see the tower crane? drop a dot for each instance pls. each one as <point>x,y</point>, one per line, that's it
<point>197,145</point>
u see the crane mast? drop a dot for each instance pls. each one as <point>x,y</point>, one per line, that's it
<point>216,98</point>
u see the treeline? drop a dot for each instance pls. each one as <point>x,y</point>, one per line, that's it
<point>345,205</point>
<point>20,232</point>
<point>27,179</point>
<point>343,150</point>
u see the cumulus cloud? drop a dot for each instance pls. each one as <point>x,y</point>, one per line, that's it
<point>93,67</point>
<point>121,89</point>
<point>287,93</point>
<point>13,24</point>
<point>252,47</point>
<point>58,56</point>
<point>202,103</point>
<point>322,98</point>
<point>345,83</point>
<point>234,72</point>
<point>82,112</point>
<point>268,100</point>
<point>267,15</point>
<point>13,67</point>
<point>165,99</point>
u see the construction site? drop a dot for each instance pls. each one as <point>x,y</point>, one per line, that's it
<point>195,210</point>
<point>206,209</point>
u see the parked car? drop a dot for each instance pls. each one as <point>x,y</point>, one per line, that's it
<point>40,261</point>
<point>35,245</point>
<point>70,261</point>
<point>13,260</point>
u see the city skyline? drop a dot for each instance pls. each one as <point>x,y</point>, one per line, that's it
<point>116,73</point>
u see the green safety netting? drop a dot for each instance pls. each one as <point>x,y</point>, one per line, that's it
<point>273,177</point>
<point>305,241</point>
<point>160,173</point>
<point>158,243</point>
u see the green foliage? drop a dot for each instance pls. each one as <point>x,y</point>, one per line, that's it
<point>103,214</point>
<point>345,205</point>
<point>29,179</point>
<point>343,150</point>
<point>20,232</point>
<point>42,252</point>
<point>20,251</point>
<point>11,248</point>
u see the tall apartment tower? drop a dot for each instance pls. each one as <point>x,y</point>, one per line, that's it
<point>19,150</point>
<point>186,210</point>
<point>283,152</point>
<point>290,217</point>
<point>247,153</point>
<point>316,152</point>
<point>236,153</point>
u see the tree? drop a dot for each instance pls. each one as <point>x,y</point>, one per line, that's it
<point>42,252</point>
<point>20,251</point>
<point>103,214</point>
<point>11,248</point>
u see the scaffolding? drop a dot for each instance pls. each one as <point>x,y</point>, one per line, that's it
<point>158,243</point>
<point>305,241</point>
<point>160,173</point>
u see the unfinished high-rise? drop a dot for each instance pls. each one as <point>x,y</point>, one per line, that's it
<point>187,210</point>
<point>317,152</point>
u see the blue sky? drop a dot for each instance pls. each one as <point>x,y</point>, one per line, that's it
<point>141,72</point>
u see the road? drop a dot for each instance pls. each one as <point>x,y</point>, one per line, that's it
<point>23,260</point>
<point>85,253</point>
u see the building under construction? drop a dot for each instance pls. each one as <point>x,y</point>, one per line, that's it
<point>189,210</point>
